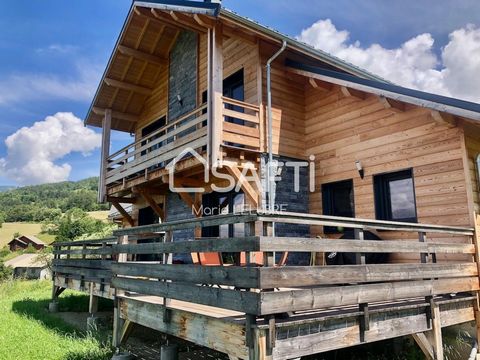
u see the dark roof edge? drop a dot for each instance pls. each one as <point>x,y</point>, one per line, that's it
<point>446,104</point>
<point>193,7</point>
<point>302,47</point>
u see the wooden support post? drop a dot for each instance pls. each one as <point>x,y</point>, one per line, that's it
<point>215,90</point>
<point>106,130</point>
<point>424,345</point>
<point>437,332</point>
<point>118,323</point>
<point>167,259</point>
<point>124,213</point>
<point>93,301</point>
<point>364,319</point>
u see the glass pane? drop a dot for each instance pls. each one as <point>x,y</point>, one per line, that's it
<point>238,206</point>
<point>343,202</point>
<point>402,199</point>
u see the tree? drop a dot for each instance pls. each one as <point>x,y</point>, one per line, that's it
<point>2,219</point>
<point>76,223</point>
<point>6,272</point>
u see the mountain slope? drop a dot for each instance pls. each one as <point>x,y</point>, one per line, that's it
<point>44,202</point>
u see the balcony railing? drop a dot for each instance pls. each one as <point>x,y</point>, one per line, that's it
<point>241,124</point>
<point>158,148</point>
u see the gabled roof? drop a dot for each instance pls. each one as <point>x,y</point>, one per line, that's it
<point>26,261</point>
<point>32,239</point>
<point>420,98</point>
<point>17,240</point>
<point>126,106</point>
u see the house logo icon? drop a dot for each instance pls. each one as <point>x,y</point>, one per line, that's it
<point>185,153</point>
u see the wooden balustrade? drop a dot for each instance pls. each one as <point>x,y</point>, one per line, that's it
<point>160,147</point>
<point>241,124</point>
<point>298,287</point>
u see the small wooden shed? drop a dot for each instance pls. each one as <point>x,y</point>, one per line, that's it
<point>22,242</point>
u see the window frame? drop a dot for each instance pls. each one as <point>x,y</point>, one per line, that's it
<point>383,199</point>
<point>328,202</point>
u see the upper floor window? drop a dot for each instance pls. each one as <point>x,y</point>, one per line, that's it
<point>395,196</point>
<point>337,200</point>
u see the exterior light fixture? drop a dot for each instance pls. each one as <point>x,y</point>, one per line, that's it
<point>359,167</point>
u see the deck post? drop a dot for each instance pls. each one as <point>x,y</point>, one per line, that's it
<point>93,301</point>
<point>106,130</point>
<point>436,332</point>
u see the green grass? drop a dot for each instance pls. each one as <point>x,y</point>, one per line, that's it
<point>28,331</point>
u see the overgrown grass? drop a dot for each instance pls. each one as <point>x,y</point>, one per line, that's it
<point>28,331</point>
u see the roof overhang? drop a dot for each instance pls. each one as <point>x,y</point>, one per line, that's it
<point>189,7</point>
<point>440,103</point>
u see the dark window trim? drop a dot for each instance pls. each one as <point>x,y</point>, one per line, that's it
<point>383,208</point>
<point>328,206</point>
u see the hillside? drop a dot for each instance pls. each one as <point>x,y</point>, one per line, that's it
<point>45,202</point>
<point>6,188</point>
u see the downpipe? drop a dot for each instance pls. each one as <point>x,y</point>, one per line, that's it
<point>271,201</point>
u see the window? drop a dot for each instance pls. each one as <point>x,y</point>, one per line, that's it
<point>337,200</point>
<point>151,128</point>
<point>395,196</point>
<point>223,203</point>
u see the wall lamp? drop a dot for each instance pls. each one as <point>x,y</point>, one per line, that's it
<point>180,100</point>
<point>359,167</point>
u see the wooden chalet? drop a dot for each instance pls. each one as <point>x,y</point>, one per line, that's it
<point>22,242</point>
<point>380,240</point>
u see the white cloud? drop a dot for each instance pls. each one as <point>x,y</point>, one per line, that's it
<point>414,64</point>
<point>32,86</point>
<point>33,151</point>
<point>58,48</point>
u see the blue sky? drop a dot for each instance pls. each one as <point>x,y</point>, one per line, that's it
<point>64,45</point>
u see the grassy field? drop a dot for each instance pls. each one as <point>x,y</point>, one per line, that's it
<point>29,332</point>
<point>8,229</point>
<point>99,215</point>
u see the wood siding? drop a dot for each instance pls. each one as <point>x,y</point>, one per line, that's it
<point>341,129</point>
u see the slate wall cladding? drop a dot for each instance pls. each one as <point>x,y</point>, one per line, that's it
<point>290,201</point>
<point>183,75</point>
<point>178,210</point>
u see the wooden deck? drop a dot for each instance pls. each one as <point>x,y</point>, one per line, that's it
<point>257,310</point>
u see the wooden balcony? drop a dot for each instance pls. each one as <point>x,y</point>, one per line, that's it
<point>242,307</point>
<point>240,131</point>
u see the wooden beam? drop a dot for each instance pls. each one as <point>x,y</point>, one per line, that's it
<point>215,91</point>
<point>443,118</point>
<point>116,114</point>
<point>424,345</point>
<point>153,204</point>
<point>182,22</point>
<point>128,86</point>
<point>320,85</point>
<point>245,185</point>
<point>124,200</point>
<point>106,131</point>
<point>203,21</point>
<point>153,59</point>
<point>238,33</point>
<point>392,104</point>
<point>124,213</point>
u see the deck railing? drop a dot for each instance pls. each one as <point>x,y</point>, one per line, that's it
<point>160,147</point>
<point>241,124</point>
<point>85,261</point>
<point>258,286</point>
